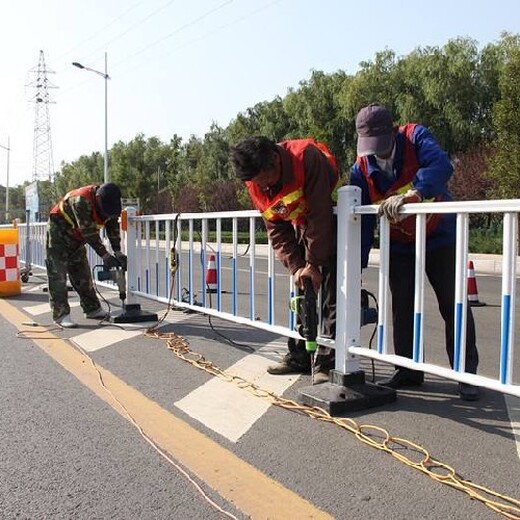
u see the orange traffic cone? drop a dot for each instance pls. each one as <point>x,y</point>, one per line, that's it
<point>211,275</point>
<point>472,287</point>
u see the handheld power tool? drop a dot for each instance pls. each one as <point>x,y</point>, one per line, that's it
<point>117,275</point>
<point>305,307</point>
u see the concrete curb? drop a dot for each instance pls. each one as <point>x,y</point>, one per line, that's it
<point>483,263</point>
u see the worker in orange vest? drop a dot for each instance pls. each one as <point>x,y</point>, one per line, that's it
<point>294,186</point>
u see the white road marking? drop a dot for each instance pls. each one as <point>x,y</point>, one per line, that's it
<point>274,350</point>
<point>43,308</point>
<point>513,409</point>
<point>107,335</point>
<point>229,410</point>
<point>36,288</point>
<point>103,337</point>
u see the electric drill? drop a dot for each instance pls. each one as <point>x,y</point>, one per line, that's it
<point>117,275</point>
<point>309,317</point>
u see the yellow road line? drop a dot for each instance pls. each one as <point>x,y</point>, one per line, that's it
<point>250,490</point>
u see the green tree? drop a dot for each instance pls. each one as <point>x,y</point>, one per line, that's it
<point>505,164</point>
<point>315,111</point>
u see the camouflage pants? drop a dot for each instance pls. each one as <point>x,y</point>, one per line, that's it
<point>67,256</point>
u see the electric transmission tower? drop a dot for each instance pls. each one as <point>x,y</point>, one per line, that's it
<point>43,166</point>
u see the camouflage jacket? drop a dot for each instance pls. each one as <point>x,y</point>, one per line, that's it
<point>81,225</point>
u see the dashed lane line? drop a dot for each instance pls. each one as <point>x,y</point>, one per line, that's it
<point>251,491</point>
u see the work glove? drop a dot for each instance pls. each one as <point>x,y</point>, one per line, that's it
<point>390,207</point>
<point>309,271</point>
<point>110,261</point>
<point>122,259</point>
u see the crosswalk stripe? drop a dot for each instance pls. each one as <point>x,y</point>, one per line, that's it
<point>42,308</point>
<point>36,288</point>
<point>227,409</point>
<point>103,337</point>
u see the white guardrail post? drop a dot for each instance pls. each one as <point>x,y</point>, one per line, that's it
<point>348,316</point>
<point>132,312</point>
<point>347,389</point>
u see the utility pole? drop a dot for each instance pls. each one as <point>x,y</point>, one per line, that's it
<point>106,77</point>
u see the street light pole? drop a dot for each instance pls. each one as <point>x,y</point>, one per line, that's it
<point>106,78</point>
<point>105,162</point>
<point>8,148</point>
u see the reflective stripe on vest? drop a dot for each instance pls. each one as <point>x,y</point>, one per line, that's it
<point>86,192</point>
<point>289,204</point>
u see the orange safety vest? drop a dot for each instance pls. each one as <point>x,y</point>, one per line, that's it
<point>63,209</point>
<point>289,204</point>
<point>404,230</point>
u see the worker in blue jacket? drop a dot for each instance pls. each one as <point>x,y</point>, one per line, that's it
<point>396,165</point>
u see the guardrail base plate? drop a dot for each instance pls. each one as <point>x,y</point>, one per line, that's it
<point>133,314</point>
<point>348,397</point>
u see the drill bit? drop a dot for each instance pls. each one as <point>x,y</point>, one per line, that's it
<point>313,366</point>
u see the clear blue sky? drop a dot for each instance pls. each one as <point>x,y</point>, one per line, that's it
<point>178,65</point>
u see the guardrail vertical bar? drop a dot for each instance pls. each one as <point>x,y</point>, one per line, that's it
<point>157,238</point>
<point>252,257</point>
<point>509,253</point>
<point>348,322</point>
<point>28,254</point>
<point>234,284</point>
<point>383,294</point>
<point>190,262</point>
<point>461,293</point>
<point>178,251</point>
<point>139,252</point>
<point>219,266</point>
<point>292,294</point>
<point>418,327</point>
<point>203,246</point>
<point>147,271</point>
<point>167,247</point>
<point>270,284</point>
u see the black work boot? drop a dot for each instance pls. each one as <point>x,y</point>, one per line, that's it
<point>324,364</point>
<point>469,392</point>
<point>403,377</point>
<point>290,365</point>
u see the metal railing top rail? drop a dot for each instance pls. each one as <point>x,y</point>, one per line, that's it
<point>198,216</point>
<point>459,206</point>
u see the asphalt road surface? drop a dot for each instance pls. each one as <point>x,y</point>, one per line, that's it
<point>104,422</point>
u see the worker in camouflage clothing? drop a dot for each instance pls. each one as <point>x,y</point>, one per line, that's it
<point>74,222</point>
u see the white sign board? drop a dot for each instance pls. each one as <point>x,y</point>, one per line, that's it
<point>130,203</point>
<point>32,202</point>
